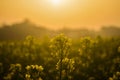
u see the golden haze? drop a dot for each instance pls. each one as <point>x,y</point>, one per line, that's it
<point>89,14</point>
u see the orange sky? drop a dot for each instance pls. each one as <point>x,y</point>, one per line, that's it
<point>67,13</point>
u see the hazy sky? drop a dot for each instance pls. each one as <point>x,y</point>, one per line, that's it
<point>62,13</point>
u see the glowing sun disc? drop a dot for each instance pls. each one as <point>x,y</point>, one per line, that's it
<point>56,2</point>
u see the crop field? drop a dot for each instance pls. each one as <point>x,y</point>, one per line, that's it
<point>60,58</point>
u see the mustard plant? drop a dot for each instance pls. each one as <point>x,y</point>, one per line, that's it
<point>60,46</point>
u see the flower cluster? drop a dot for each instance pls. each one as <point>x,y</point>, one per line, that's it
<point>116,76</point>
<point>39,68</point>
<point>60,45</point>
<point>14,72</point>
<point>33,72</point>
<point>67,64</point>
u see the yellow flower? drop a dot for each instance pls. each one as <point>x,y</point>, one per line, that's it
<point>28,67</point>
<point>27,75</point>
<point>40,68</point>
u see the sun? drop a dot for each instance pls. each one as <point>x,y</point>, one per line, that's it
<point>56,2</point>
